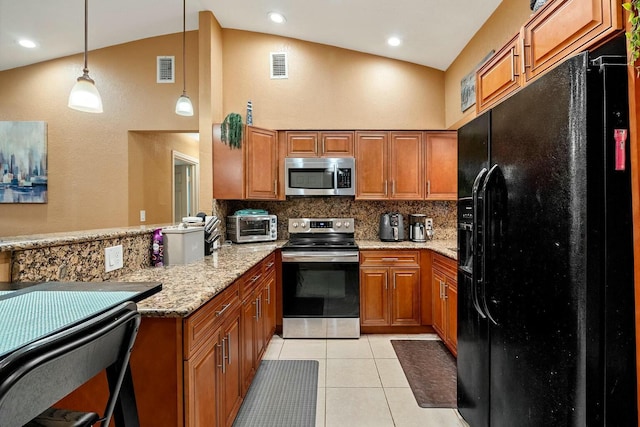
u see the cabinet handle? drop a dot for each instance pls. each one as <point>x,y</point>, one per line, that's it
<point>228,348</point>
<point>275,186</point>
<point>315,145</point>
<point>323,144</point>
<point>255,278</point>
<point>393,187</point>
<point>224,308</point>
<point>441,289</point>
<point>513,65</point>
<point>390,259</point>
<point>428,187</point>
<point>386,284</point>
<point>256,304</point>
<point>523,60</point>
<point>270,264</point>
<point>444,291</point>
<point>385,187</point>
<point>269,294</point>
<point>224,370</point>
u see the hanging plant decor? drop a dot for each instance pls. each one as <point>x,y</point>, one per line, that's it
<point>231,130</point>
<point>633,35</point>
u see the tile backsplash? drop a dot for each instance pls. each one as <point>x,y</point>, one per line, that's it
<point>366,213</point>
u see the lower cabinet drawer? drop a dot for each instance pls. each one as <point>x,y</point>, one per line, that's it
<point>200,325</point>
<point>389,258</point>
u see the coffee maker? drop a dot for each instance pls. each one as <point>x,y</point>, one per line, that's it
<point>420,228</point>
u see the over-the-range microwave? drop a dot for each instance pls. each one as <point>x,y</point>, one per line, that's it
<point>335,176</point>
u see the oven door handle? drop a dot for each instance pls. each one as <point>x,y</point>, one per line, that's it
<point>325,256</point>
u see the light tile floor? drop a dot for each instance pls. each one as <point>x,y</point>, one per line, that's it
<point>361,383</point>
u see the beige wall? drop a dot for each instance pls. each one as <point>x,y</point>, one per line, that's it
<point>503,24</point>
<point>328,87</point>
<point>87,153</point>
<point>151,171</point>
<point>210,111</point>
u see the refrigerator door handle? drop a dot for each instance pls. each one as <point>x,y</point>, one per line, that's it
<point>475,244</point>
<point>488,237</point>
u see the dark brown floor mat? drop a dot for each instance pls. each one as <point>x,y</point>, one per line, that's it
<point>430,370</point>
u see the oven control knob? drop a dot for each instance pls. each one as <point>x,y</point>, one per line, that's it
<point>303,224</point>
<point>295,225</point>
<point>346,224</point>
<point>338,224</point>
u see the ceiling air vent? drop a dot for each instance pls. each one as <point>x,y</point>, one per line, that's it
<point>279,65</point>
<point>166,69</point>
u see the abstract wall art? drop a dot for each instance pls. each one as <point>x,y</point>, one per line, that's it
<point>23,162</point>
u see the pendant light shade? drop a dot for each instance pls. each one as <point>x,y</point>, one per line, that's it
<point>184,106</point>
<point>84,95</point>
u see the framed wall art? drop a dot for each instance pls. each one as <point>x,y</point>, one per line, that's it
<point>468,85</point>
<point>23,162</point>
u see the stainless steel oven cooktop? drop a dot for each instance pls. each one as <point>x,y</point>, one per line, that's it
<point>320,279</point>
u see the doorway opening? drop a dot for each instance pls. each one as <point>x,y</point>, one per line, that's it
<point>186,176</point>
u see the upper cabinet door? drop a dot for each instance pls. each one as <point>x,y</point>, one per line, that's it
<point>406,168</point>
<point>228,168</point>
<point>371,165</point>
<point>336,144</point>
<point>442,166</point>
<point>302,144</point>
<point>566,26</point>
<point>261,164</point>
<point>500,76</point>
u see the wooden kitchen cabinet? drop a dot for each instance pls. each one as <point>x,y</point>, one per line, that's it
<point>558,30</point>
<point>212,377</point>
<point>445,300</point>
<point>406,165</point>
<point>320,144</point>
<point>390,288</point>
<point>250,172</point>
<point>500,76</point>
<point>258,316</point>
<point>372,169</point>
<point>441,165</point>
<point>564,27</point>
<point>389,165</point>
<point>211,362</point>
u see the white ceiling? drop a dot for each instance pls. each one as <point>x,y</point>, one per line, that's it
<point>433,31</point>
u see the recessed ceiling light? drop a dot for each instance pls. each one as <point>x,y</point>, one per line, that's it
<point>27,43</point>
<point>394,41</point>
<point>276,17</point>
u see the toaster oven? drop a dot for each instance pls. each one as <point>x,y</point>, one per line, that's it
<point>252,228</point>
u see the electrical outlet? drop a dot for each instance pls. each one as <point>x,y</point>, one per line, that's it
<point>428,223</point>
<point>143,216</point>
<point>113,258</point>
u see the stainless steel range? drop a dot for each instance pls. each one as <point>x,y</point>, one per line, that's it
<point>320,279</point>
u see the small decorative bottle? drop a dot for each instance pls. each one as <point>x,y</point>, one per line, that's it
<point>249,113</point>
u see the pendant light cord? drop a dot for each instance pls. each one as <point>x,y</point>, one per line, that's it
<point>86,31</point>
<point>184,29</point>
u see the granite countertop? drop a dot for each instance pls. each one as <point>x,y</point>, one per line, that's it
<point>33,241</point>
<point>447,248</point>
<point>187,287</point>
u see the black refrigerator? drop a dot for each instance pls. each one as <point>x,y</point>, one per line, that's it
<point>546,331</point>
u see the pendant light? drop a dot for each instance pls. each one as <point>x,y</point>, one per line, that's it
<point>184,106</point>
<point>85,96</point>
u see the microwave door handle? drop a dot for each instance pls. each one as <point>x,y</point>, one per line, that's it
<point>335,178</point>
